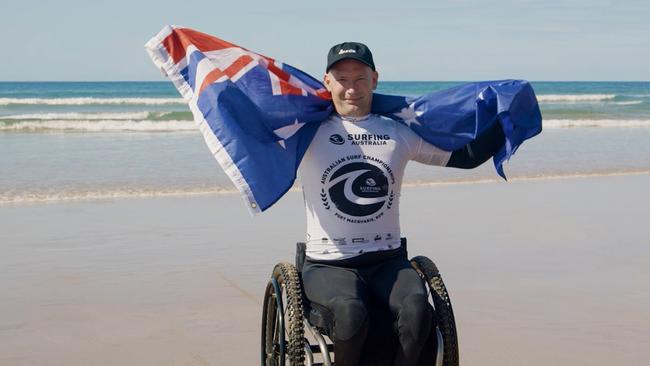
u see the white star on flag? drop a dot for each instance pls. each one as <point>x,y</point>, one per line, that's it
<point>288,131</point>
<point>409,114</point>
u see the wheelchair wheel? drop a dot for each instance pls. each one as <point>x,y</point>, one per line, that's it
<point>442,304</point>
<point>283,339</point>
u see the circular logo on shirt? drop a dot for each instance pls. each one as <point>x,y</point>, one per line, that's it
<point>358,189</point>
<point>337,139</point>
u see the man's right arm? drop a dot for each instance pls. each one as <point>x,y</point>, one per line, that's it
<point>475,153</point>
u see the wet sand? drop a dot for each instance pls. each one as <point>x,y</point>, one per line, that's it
<point>540,272</point>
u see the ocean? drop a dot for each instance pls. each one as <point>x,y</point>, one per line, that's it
<point>97,140</point>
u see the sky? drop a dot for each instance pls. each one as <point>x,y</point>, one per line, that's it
<point>570,40</point>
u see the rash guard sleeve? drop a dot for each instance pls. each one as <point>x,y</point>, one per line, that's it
<point>422,151</point>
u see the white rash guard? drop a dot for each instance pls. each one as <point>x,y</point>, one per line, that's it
<point>351,178</point>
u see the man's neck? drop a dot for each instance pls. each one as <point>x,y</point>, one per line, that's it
<point>355,118</point>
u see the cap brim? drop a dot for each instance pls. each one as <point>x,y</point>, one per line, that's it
<point>349,57</point>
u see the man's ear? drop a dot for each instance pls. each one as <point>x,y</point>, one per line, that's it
<point>375,78</point>
<point>327,81</point>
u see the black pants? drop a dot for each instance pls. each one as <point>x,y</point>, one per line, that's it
<point>344,289</point>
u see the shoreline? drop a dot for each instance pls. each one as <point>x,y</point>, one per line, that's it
<point>121,194</point>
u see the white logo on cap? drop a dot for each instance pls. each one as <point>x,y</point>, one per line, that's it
<point>346,51</point>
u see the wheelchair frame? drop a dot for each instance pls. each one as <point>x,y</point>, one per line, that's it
<point>283,338</point>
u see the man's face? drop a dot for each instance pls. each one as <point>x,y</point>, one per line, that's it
<point>351,84</point>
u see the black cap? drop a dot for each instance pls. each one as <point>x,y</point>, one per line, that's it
<point>350,50</point>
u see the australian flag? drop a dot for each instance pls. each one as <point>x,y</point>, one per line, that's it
<point>259,115</point>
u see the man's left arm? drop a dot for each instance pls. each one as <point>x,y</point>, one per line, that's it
<point>480,150</point>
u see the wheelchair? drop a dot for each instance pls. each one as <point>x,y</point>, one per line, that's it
<point>287,314</point>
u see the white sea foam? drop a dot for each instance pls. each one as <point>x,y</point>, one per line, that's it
<point>78,116</point>
<point>575,97</point>
<point>144,192</point>
<point>100,126</point>
<point>126,125</point>
<point>567,123</point>
<point>630,102</point>
<point>92,195</point>
<point>89,101</point>
<point>527,178</point>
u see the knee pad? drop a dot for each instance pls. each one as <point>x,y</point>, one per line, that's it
<point>350,317</point>
<point>415,316</point>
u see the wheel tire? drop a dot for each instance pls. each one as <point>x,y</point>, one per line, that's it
<point>442,304</point>
<point>287,278</point>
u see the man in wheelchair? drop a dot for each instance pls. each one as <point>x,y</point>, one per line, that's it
<point>351,177</point>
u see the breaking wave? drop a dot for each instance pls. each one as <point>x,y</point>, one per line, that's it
<point>99,126</point>
<point>145,115</point>
<point>575,97</point>
<point>77,116</point>
<point>90,101</point>
<point>568,123</point>
<point>134,125</point>
<point>630,102</point>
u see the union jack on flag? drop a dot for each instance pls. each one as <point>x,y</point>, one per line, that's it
<point>258,115</point>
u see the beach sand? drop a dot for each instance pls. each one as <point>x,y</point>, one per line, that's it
<point>548,272</point>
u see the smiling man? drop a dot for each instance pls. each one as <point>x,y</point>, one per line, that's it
<point>351,177</point>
